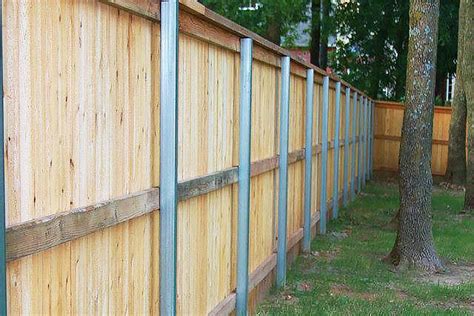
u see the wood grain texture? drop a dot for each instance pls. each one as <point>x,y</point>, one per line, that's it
<point>49,231</point>
<point>46,232</point>
<point>265,269</point>
<point>148,9</point>
<point>82,118</point>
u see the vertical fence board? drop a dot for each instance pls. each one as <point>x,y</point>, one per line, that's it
<point>3,214</point>
<point>387,123</point>
<point>83,126</point>
<point>308,159</point>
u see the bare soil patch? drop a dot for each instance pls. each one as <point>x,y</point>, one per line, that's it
<point>454,275</point>
<point>344,290</point>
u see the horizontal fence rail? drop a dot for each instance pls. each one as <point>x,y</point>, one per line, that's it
<point>155,172</point>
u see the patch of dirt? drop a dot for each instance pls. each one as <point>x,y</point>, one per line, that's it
<point>304,287</point>
<point>464,215</point>
<point>451,187</point>
<point>344,290</point>
<point>450,305</point>
<point>289,298</point>
<point>339,235</point>
<point>401,295</point>
<point>327,255</point>
<point>341,290</point>
<point>454,275</point>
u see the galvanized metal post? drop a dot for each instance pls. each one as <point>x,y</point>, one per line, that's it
<point>244,175</point>
<point>283,189</point>
<point>324,157</point>
<point>3,213</point>
<point>354,144</point>
<point>372,136</point>
<point>360,147</point>
<point>364,141</point>
<point>168,155</point>
<point>337,126</point>
<point>308,160</point>
<point>369,157</point>
<point>345,192</point>
<point>367,142</point>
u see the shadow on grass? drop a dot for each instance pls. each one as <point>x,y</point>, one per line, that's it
<point>344,273</point>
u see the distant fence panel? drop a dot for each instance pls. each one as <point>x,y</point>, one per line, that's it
<point>388,126</point>
<point>82,117</point>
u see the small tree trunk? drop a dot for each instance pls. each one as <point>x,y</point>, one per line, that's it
<point>440,87</point>
<point>323,53</point>
<point>274,31</point>
<point>414,245</point>
<point>315,31</point>
<point>456,169</point>
<point>468,85</point>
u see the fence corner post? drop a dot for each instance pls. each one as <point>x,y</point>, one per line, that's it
<point>335,205</point>
<point>168,155</point>
<point>283,176</point>
<point>308,160</point>
<point>324,157</point>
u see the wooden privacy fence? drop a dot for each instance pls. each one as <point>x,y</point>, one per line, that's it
<point>388,127</point>
<point>145,177</point>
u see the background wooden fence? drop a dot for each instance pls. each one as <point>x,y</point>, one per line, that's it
<point>388,126</point>
<point>82,157</point>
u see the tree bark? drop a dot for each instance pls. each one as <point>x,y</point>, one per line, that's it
<point>315,31</point>
<point>414,246</point>
<point>456,169</point>
<point>323,52</point>
<point>468,85</point>
<point>274,31</point>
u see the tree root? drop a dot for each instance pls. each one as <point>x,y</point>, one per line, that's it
<point>429,263</point>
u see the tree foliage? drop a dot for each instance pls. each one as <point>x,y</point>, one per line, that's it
<point>373,50</point>
<point>272,19</point>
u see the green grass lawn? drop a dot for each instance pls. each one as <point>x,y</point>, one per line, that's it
<point>344,274</point>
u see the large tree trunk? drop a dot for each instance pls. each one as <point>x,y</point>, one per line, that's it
<point>414,246</point>
<point>323,53</point>
<point>468,85</point>
<point>456,169</point>
<point>315,31</point>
